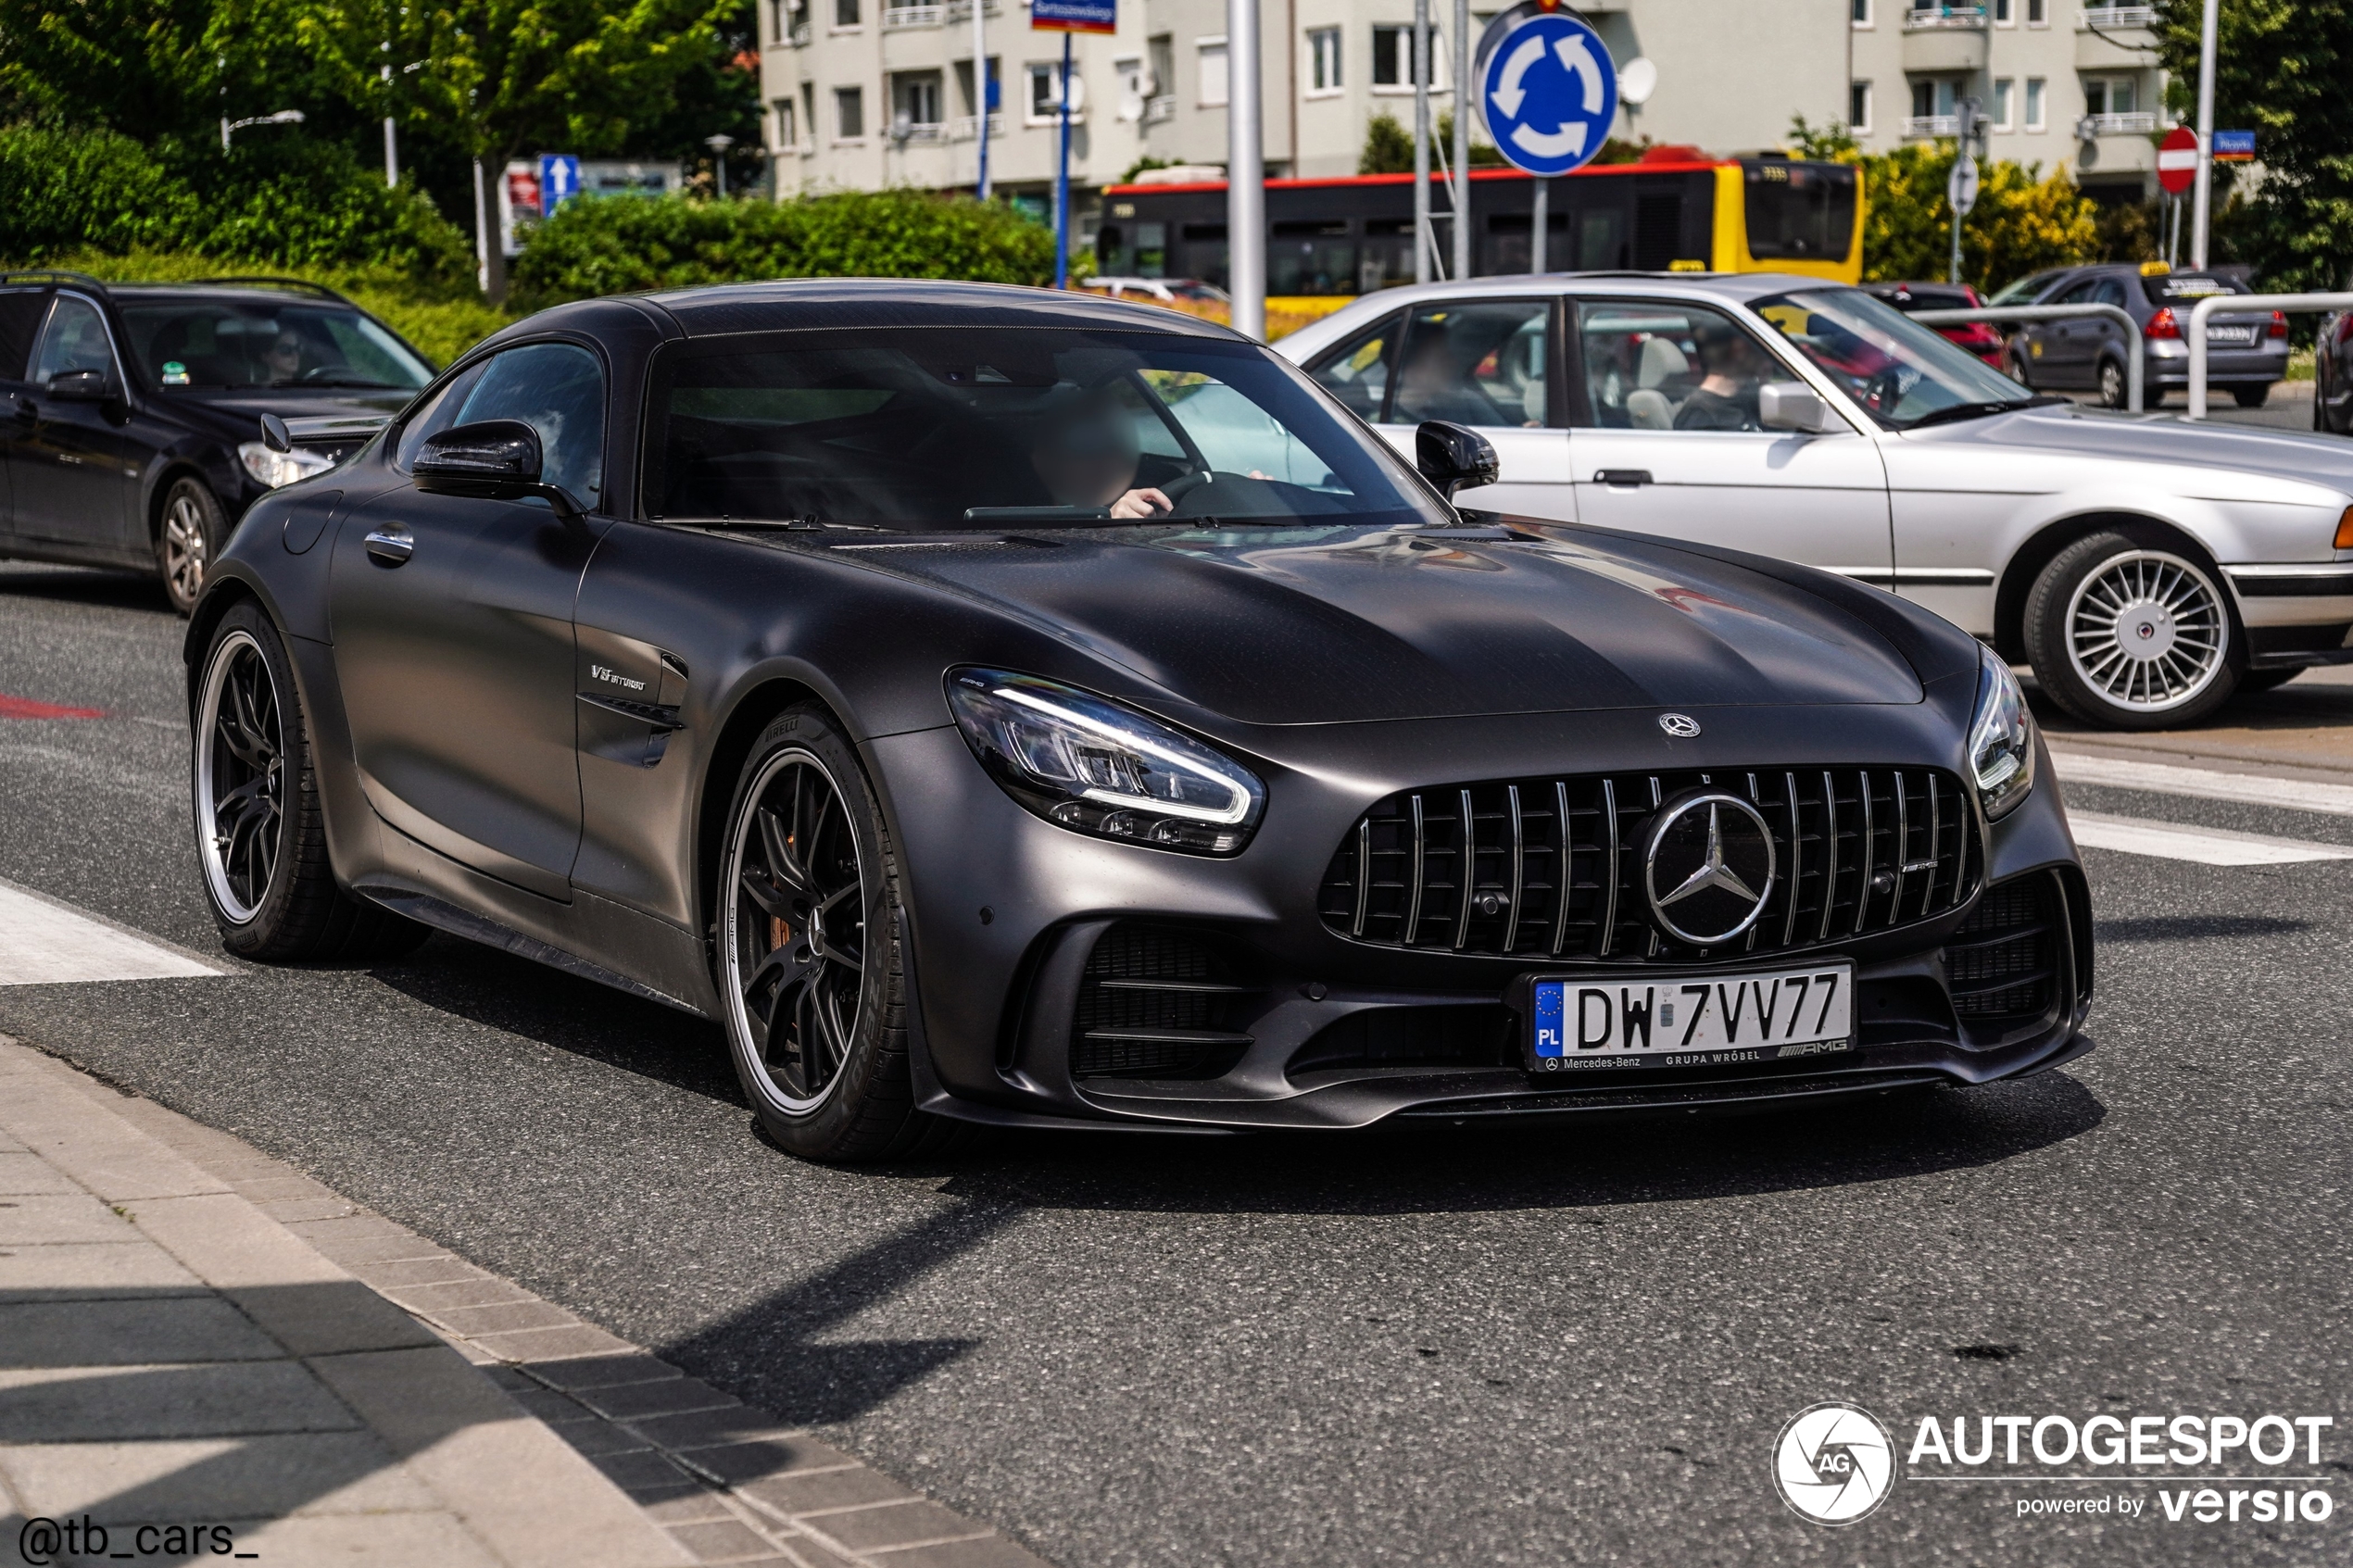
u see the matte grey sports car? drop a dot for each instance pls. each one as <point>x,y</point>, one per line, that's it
<point>991,706</point>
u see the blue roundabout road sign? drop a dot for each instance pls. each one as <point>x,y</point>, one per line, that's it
<point>1550,93</point>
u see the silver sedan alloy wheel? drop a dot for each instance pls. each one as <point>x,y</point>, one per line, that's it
<point>2147,632</point>
<point>186,551</point>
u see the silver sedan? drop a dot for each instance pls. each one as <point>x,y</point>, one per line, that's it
<point>2146,567</point>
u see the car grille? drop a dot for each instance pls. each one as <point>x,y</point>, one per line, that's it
<point>2003,962</point>
<point>1157,1003</point>
<point>1551,868</point>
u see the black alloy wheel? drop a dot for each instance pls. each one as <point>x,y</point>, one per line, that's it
<point>810,970</point>
<point>191,528</point>
<point>261,830</point>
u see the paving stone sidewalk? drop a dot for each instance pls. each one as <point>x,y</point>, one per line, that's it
<point>194,1335</point>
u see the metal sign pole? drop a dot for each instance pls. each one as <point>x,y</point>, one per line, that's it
<point>1460,186</point>
<point>1061,181</point>
<point>980,95</point>
<point>1245,171</point>
<point>1541,222</point>
<point>2202,203</point>
<point>1420,67</point>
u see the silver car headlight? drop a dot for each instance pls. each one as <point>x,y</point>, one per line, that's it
<point>1088,764</point>
<point>2001,737</point>
<point>275,469</point>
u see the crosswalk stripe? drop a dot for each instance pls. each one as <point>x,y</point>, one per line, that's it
<point>45,943</point>
<point>2204,784</point>
<point>2207,847</point>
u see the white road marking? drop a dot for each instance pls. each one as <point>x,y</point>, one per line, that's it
<point>45,943</point>
<point>2207,847</point>
<point>2205,784</point>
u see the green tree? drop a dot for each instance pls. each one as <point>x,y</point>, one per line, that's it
<point>2280,69</point>
<point>2023,221</point>
<point>503,77</point>
<point>1388,146</point>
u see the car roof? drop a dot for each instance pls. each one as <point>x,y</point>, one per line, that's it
<point>803,303</point>
<point>224,292</point>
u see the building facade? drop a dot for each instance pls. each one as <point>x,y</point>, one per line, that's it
<point>864,94</point>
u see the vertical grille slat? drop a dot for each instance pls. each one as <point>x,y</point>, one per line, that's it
<point>1424,868</point>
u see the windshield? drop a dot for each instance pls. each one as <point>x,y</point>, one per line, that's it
<point>950,428</point>
<point>1900,371</point>
<point>264,343</point>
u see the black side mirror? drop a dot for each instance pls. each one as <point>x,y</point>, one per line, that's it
<point>275,433</point>
<point>1453,456</point>
<point>494,460</point>
<point>79,386</point>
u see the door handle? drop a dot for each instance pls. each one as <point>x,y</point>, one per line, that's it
<point>1622,476</point>
<point>388,546</point>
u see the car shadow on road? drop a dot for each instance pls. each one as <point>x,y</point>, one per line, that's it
<point>74,584</point>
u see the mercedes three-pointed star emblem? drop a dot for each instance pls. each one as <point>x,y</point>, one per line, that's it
<point>1707,887</point>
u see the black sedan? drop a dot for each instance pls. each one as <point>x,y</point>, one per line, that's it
<point>128,412</point>
<point>1000,707</point>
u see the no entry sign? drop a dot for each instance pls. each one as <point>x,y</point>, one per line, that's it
<point>2177,160</point>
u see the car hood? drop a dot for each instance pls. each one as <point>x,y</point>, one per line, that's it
<point>1322,625</point>
<point>328,413</point>
<point>2199,459</point>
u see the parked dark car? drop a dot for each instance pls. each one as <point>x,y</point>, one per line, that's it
<point>2332,375</point>
<point>2246,351</point>
<point>1980,338</point>
<point>992,705</point>
<point>132,435</point>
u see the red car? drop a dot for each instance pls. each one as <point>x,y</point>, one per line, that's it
<point>1980,338</point>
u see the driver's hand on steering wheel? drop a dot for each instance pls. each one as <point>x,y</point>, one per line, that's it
<point>1143,503</point>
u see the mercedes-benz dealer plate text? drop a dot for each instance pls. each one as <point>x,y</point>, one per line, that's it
<point>1692,1019</point>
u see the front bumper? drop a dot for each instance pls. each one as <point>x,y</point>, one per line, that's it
<point>1016,924</point>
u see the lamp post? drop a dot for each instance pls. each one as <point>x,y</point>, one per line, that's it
<point>283,116</point>
<point>1245,171</point>
<point>719,145</point>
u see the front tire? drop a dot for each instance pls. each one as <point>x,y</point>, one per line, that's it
<point>261,831</point>
<point>2114,387</point>
<point>191,530</point>
<point>2020,373</point>
<point>811,981</point>
<point>2129,634</point>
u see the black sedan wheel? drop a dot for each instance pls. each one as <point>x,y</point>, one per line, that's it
<point>189,534</point>
<point>810,969</point>
<point>2129,634</point>
<point>260,834</point>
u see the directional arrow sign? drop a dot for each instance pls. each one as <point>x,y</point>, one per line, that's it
<point>1549,90</point>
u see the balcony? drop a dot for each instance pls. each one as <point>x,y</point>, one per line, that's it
<point>919,135</point>
<point>1921,127</point>
<point>2136,123</point>
<point>897,19</point>
<point>1159,110</point>
<point>2116,18</point>
<point>1945,40</point>
<point>961,128</point>
<point>1931,18</point>
<point>961,10</point>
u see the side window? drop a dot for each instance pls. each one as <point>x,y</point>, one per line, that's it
<point>74,340</point>
<point>437,413</point>
<point>1357,372</point>
<point>1657,365</point>
<point>559,391</point>
<point>2110,291</point>
<point>2082,293</point>
<point>20,319</point>
<point>1474,364</point>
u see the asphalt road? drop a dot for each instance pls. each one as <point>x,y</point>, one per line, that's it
<point>1574,1345</point>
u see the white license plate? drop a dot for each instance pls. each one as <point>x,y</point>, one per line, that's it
<point>2230,334</point>
<point>1690,1020</point>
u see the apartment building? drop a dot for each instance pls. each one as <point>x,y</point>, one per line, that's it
<point>872,92</point>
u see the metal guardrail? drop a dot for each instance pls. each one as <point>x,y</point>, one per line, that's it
<point>2135,353</point>
<point>2214,305</point>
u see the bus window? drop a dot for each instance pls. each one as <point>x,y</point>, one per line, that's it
<point>1799,211</point>
<point>1388,254</point>
<point>1357,372</point>
<point>1311,258</point>
<point>1475,364</point>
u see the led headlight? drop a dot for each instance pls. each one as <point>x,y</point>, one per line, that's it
<point>1097,768</point>
<point>2001,737</point>
<point>274,468</point>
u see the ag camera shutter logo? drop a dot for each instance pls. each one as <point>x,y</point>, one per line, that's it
<point>1834,1463</point>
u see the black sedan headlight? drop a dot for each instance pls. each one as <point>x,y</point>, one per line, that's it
<point>1086,763</point>
<point>2001,739</point>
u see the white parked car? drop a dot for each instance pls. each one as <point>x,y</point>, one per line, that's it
<point>2146,566</point>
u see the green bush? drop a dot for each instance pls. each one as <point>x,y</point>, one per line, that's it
<point>617,245</point>
<point>277,201</point>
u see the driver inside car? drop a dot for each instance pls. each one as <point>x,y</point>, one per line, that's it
<point>1735,368</point>
<point>1087,453</point>
<point>283,358</point>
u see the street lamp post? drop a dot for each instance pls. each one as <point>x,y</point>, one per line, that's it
<point>719,145</point>
<point>1245,171</point>
<point>283,116</point>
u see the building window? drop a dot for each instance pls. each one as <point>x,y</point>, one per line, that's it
<point>788,125</point>
<point>1861,12</point>
<point>1858,107</point>
<point>845,13</point>
<point>2002,102</point>
<point>1045,91</point>
<point>2034,97</point>
<point>2038,13</point>
<point>1932,98</point>
<point>2004,15</point>
<point>2107,94</point>
<point>1323,61</point>
<point>915,98</point>
<point>1213,89</point>
<point>849,114</point>
<point>1394,58</point>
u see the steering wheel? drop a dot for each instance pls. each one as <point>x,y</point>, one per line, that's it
<point>1178,489</point>
<point>321,372</point>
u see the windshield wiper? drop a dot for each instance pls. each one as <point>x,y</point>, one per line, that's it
<point>1037,514</point>
<point>1979,410</point>
<point>769,524</point>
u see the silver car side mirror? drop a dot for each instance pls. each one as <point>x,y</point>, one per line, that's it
<point>1789,405</point>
